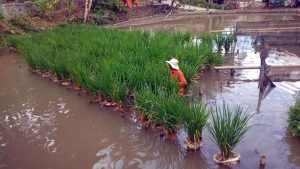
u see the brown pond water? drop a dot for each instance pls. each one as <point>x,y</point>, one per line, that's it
<point>198,24</point>
<point>43,125</point>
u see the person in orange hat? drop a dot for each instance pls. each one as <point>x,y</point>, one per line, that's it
<point>178,74</point>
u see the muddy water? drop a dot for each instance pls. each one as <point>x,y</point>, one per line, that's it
<point>198,24</point>
<point>43,125</point>
<point>268,134</point>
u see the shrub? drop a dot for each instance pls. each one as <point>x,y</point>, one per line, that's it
<point>294,118</point>
<point>44,6</point>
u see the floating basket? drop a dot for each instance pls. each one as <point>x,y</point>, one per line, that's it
<point>235,158</point>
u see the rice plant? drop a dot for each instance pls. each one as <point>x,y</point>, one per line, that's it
<point>146,102</point>
<point>168,110</point>
<point>115,61</point>
<point>228,128</point>
<point>195,120</point>
<point>219,40</point>
<point>223,40</point>
<point>229,39</point>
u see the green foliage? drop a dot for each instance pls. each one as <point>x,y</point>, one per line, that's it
<point>118,4</point>
<point>195,120</point>
<point>223,40</point>
<point>229,39</point>
<point>228,128</point>
<point>167,110</point>
<point>1,11</point>
<point>219,40</point>
<point>69,4</point>
<point>116,61</point>
<point>113,5</point>
<point>44,6</point>
<point>294,119</point>
<point>22,22</point>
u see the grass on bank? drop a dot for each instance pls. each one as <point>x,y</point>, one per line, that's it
<point>116,61</point>
<point>294,118</point>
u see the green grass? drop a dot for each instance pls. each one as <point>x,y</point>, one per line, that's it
<point>228,128</point>
<point>115,62</point>
<point>294,119</point>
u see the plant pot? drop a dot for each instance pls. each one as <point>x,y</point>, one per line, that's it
<point>234,158</point>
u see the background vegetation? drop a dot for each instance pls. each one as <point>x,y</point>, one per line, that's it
<point>202,3</point>
<point>1,11</point>
<point>294,118</point>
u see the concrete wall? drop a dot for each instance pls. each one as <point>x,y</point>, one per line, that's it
<point>11,9</point>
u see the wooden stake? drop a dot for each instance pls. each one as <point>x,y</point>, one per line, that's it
<point>263,160</point>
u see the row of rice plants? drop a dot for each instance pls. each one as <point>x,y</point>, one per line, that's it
<point>116,62</point>
<point>119,62</point>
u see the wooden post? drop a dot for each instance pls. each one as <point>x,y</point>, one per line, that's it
<point>232,71</point>
<point>262,162</point>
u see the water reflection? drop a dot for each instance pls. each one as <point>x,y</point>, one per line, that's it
<point>294,149</point>
<point>197,24</point>
<point>37,128</point>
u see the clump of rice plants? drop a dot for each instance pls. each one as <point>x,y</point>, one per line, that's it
<point>294,118</point>
<point>194,122</point>
<point>229,39</point>
<point>223,40</point>
<point>219,40</point>
<point>115,62</point>
<point>146,102</point>
<point>168,110</point>
<point>227,129</point>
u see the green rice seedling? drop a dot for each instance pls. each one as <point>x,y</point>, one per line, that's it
<point>146,103</point>
<point>118,92</point>
<point>168,110</point>
<point>194,120</point>
<point>115,61</point>
<point>228,128</point>
<point>219,39</point>
<point>229,39</point>
<point>207,39</point>
<point>218,59</point>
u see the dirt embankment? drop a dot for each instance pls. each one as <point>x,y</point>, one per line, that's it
<point>23,24</point>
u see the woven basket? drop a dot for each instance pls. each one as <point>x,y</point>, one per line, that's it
<point>235,158</point>
<point>193,145</point>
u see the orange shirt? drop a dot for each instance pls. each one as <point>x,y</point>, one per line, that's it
<point>181,79</point>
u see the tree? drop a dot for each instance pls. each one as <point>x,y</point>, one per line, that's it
<point>88,5</point>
